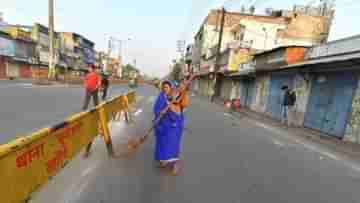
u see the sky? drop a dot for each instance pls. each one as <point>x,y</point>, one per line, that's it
<point>153,26</point>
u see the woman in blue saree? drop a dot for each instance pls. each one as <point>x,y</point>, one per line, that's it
<point>169,129</point>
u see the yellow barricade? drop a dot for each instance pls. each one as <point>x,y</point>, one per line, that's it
<point>131,96</point>
<point>28,163</point>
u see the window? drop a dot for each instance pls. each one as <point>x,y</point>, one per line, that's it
<point>235,35</point>
<point>242,36</point>
<point>242,32</point>
<point>280,32</point>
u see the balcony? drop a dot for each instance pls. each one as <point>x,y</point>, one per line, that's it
<point>239,44</point>
<point>211,51</point>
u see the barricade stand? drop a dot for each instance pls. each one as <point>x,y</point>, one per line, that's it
<point>125,102</point>
<point>105,129</point>
<point>117,116</point>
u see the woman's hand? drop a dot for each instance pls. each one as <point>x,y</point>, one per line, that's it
<point>173,108</point>
<point>162,112</point>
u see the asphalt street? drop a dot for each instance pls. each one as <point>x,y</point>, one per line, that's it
<point>25,108</point>
<point>225,159</point>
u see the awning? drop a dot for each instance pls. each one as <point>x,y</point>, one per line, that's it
<point>20,59</point>
<point>243,72</point>
<point>325,60</point>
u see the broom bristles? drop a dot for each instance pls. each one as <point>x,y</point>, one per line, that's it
<point>134,143</point>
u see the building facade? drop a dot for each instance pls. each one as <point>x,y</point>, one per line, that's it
<point>326,82</point>
<point>247,34</point>
<point>7,51</point>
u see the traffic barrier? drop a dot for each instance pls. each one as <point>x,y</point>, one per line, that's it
<point>28,163</point>
<point>131,96</point>
<point>124,102</point>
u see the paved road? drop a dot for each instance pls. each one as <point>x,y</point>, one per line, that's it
<point>225,159</point>
<point>25,108</point>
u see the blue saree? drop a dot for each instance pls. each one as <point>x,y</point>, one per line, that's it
<point>168,132</point>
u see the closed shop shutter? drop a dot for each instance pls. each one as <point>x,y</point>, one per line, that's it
<point>234,90</point>
<point>203,87</point>
<point>276,95</point>
<point>2,68</point>
<point>39,72</point>
<point>196,86</point>
<point>25,71</point>
<point>226,89</point>
<point>248,92</point>
<point>13,70</point>
<point>330,103</point>
<point>237,89</point>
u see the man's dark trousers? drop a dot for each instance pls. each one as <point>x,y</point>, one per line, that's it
<point>88,95</point>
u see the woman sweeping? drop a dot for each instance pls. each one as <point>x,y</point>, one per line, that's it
<point>169,130</point>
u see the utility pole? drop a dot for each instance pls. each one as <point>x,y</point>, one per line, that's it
<point>112,41</point>
<point>180,50</point>
<point>119,68</point>
<point>120,52</point>
<point>52,71</point>
<point>218,54</point>
<point>107,64</point>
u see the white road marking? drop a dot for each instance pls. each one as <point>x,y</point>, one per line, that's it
<point>267,127</point>
<point>16,85</point>
<point>139,98</point>
<point>330,155</point>
<point>26,84</point>
<point>6,86</point>
<point>78,188</point>
<point>89,169</point>
<point>278,143</point>
<point>138,112</point>
<point>313,147</point>
<point>30,85</point>
<point>230,116</point>
<point>151,99</point>
<point>227,114</point>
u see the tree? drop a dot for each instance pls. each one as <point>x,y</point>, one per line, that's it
<point>148,77</point>
<point>243,9</point>
<point>252,10</point>
<point>127,69</point>
<point>176,72</point>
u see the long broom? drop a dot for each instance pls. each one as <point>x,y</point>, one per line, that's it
<point>134,143</point>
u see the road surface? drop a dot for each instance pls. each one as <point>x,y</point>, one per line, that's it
<point>225,159</point>
<point>25,108</point>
